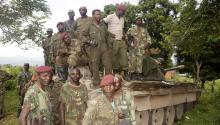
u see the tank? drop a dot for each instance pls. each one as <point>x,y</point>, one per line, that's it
<point>155,102</point>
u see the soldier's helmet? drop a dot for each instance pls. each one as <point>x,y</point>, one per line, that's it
<point>49,30</point>
<point>71,12</point>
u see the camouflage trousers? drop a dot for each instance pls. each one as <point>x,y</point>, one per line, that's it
<point>119,53</point>
<point>62,72</point>
<point>135,63</point>
<point>97,55</point>
<point>21,98</point>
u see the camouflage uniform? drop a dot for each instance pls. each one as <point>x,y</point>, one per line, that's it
<point>23,78</point>
<point>40,107</point>
<point>80,24</point>
<point>78,55</point>
<point>123,102</point>
<point>46,44</point>
<point>99,51</point>
<point>137,48</point>
<point>75,98</point>
<point>69,26</point>
<point>59,46</point>
<point>4,76</point>
<point>100,112</point>
<point>53,90</point>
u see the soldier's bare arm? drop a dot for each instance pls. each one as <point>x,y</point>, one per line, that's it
<point>24,113</point>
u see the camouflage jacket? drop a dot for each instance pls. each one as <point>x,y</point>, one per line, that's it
<point>75,98</point>
<point>40,107</point>
<point>101,112</point>
<point>69,25</point>
<point>80,24</point>
<point>60,50</point>
<point>53,90</point>
<point>46,45</point>
<point>23,79</point>
<point>141,39</point>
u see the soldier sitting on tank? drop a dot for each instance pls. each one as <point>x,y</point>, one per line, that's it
<point>151,68</point>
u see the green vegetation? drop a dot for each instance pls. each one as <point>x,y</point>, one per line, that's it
<point>207,111</point>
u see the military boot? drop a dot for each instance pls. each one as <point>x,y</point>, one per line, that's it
<point>126,75</point>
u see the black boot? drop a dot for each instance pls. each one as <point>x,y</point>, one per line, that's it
<point>127,75</point>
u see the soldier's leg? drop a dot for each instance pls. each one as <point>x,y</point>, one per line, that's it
<point>107,61</point>
<point>123,58</point>
<point>115,55</point>
<point>94,60</point>
<point>62,72</point>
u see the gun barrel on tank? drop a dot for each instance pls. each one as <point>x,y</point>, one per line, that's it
<point>174,68</point>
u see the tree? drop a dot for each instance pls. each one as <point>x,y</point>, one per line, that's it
<point>21,21</point>
<point>197,38</point>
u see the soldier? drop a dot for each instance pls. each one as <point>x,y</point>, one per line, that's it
<point>80,22</point>
<point>138,39</point>
<point>151,68</point>
<point>23,78</point>
<point>36,109</point>
<point>61,49</point>
<point>115,23</point>
<point>53,90</point>
<point>46,44</point>
<point>4,76</point>
<point>95,39</point>
<point>73,98</point>
<point>102,109</point>
<point>69,23</point>
<point>123,101</point>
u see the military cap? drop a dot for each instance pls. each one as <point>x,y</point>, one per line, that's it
<point>42,69</point>
<point>107,80</point>
<point>121,7</point>
<point>49,30</point>
<point>60,23</point>
<point>26,64</point>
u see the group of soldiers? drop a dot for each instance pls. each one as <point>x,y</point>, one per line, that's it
<point>100,45</point>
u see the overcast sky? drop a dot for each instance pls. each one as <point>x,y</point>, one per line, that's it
<point>59,9</point>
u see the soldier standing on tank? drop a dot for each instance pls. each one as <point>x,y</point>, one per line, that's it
<point>102,109</point>
<point>46,44</point>
<point>36,109</point>
<point>69,23</point>
<point>23,78</point>
<point>81,22</point>
<point>4,76</point>
<point>61,48</point>
<point>115,23</point>
<point>95,38</point>
<point>138,40</point>
<point>73,99</point>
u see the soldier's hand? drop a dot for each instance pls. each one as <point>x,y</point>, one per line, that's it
<point>93,43</point>
<point>121,115</point>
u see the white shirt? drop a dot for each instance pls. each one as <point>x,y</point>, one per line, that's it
<point>115,25</point>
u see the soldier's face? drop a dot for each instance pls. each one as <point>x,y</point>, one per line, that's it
<point>67,39</point>
<point>75,75</point>
<point>108,89</point>
<point>138,21</point>
<point>71,15</point>
<point>26,68</point>
<point>45,78</point>
<point>97,16</point>
<point>60,28</point>
<point>49,33</point>
<point>120,13</point>
<point>83,11</point>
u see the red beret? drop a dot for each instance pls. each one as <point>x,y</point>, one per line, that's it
<point>121,7</point>
<point>107,80</point>
<point>42,69</point>
<point>60,23</point>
